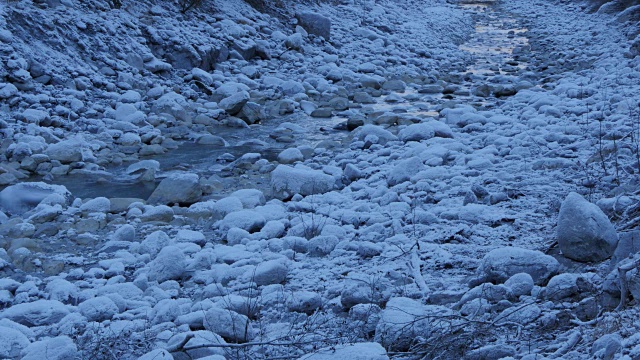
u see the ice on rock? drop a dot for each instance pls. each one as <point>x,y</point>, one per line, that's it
<point>99,309</point>
<point>12,342</point>
<point>57,348</point>
<point>584,231</point>
<point>500,264</point>
<point>358,351</point>
<point>170,264</point>
<point>37,313</point>
<point>287,181</point>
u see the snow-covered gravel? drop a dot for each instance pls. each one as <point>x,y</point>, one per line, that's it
<point>224,184</point>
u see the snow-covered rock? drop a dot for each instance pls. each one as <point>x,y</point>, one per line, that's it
<point>584,231</point>
<point>229,324</point>
<point>20,198</point>
<point>36,313</point>
<point>287,181</point>
<point>170,264</point>
<point>57,348</point>
<point>404,319</point>
<point>270,272</point>
<point>100,308</point>
<point>250,198</point>
<point>12,342</point>
<point>500,264</point>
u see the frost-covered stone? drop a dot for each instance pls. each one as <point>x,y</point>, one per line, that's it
<point>404,319</point>
<point>20,198</point>
<point>584,231</point>
<point>383,135</point>
<point>270,272</point>
<point>404,170</point>
<point>490,352</point>
<point>290,156</point>
<point>99,204</point>
<point>57,348</point>
<point>157,354</point>
<point>234,103</point>
<point>250,198</point>
<point>100,308</point>
<point>229,324</point>
<point>500,264</point>
<point>362,291</point>
<point>322,245</point>
<point>160,213</point>
<point>248,220</point>
<point>12,342</point>
<point>170,264</point>
<point>568,285</point>
<point>305,302</point>
<point>606,346</point>
<point>520,284</point>
<point>67,151</point>
<point>177,188</point>
<point>628,245</point>
<point>425,131</point>
<point>315,24</point>
<point>358,351</point>
<point>37,313</point>
<point>287,181</point>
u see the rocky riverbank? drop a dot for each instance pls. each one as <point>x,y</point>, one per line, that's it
<point>414,180</point>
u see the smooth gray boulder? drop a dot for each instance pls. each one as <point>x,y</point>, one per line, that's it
<point>177,188</point>
<point>315,24</point>
<point>584,232</point>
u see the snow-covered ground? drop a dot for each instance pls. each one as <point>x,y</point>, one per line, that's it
<point>424,180</point>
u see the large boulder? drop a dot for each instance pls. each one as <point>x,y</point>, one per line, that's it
<point>501,264</point>
<point>37,313</point>
<point>584,232</point>
<point>177,188</point>
<point>20,198</point>
<point>315,24</point>
<point>67,151</point>
<point>287,181</point>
